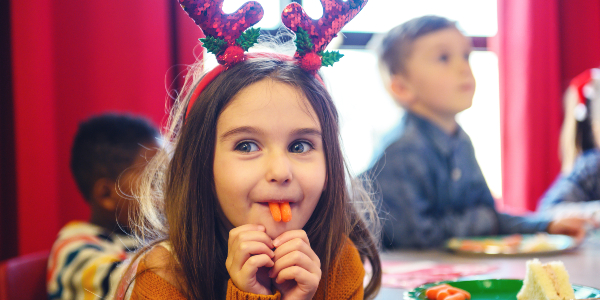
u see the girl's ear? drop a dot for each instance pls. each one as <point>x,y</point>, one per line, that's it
<point>401,90</point>
<point>103,193</point>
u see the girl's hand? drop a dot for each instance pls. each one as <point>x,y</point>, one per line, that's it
<point>297,269</point>
<point>575,227</point>
<point>249,255</point>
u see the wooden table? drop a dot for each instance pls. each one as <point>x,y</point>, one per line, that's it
<point>583,265</point>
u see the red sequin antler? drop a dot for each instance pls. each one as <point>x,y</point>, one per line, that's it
<point>225,34</point>
<point>313,36</point>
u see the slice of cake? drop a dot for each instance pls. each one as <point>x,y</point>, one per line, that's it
<point>546,282</point>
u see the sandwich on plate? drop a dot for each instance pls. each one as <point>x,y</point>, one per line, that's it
<point>546,282</point>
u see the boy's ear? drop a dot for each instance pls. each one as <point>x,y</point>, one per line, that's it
<point>401,90</point>
<point>103,193</point>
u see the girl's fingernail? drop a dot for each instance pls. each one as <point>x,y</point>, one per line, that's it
<point>261,228</point>
<point>276,242</point>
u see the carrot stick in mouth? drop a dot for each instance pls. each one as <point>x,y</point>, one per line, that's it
<point>286,211</point>
<point>275,211</point>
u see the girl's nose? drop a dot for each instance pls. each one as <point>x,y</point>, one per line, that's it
<point>279,169</point>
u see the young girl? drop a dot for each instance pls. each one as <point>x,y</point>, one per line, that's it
<point>576,191</point>
<point>252,200</point>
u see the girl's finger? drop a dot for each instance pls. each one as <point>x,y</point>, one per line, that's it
<point>248,236</point>
<point>245,252</point>
<point>296,244</point>
<point>305,280</point>
<point>233,233</point>
<point>290,235</point>
<point>295,258</point>
<point>250,267</point>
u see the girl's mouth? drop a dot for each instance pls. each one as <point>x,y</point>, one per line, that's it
<point>281,210</point>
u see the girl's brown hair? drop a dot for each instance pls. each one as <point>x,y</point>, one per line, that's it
<point>179,202</point>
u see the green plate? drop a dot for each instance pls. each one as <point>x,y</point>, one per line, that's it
<point>497,289</point>
<point>553,244</point>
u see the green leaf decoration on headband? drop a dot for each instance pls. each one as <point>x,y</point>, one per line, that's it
<point>303,42</point>
<point>213,45</point>
<point>248,38</point>
<point>328,58</point>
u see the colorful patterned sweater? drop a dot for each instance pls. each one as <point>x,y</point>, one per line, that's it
<point>84,262</point>
<point>345,281</point>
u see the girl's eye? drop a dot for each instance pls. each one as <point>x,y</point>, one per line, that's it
<point>443,58</point>
<point>246,147</point>
<point>300,147</point>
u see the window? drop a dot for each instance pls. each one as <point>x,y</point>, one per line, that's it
<point>382,15</point>
<point>272,11</point>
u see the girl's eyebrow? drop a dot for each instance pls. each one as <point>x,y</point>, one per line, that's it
<point>238,130</point>
<point>253,130</point>
<point>307,131</point>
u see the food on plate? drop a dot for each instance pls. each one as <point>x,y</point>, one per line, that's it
<point>446,292</point>
<point>513,244</point>
<point>538,243</point>
<point>546,282</point>
<point>281,211</point>
<point>508,244</point>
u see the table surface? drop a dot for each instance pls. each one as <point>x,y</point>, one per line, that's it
<point>582,263</point>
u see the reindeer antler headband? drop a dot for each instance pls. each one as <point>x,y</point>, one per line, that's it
<point>228,39</point>
<point>313,36</point>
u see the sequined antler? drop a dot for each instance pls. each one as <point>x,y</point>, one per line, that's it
<point>225,33</point>
<point>313,36</point>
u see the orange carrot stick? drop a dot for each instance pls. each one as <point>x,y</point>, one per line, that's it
<point>275,211</point>
<point>467,294</point>
<point>454,291</point>
<point>286,211</point>
<point>432,292</point>
<point>443,294</point>
<point>457,296</point>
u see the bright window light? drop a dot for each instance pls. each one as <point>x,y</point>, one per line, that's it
<point>476,17</point>
<point>482,121</point>
<point>272,12</point>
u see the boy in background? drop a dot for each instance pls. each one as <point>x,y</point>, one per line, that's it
<point>429,181</point>
<point>108,154</point>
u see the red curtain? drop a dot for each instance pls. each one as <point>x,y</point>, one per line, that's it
<point>579,37</point>
<point>71,60</point>
<point>541,45</point>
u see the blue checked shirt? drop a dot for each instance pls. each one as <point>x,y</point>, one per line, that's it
<point>431,189</point>
<point>582,184</point>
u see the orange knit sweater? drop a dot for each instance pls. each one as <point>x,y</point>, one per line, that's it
<point>345,281</point>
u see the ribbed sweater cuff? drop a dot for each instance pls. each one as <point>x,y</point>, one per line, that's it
<point>233,293</point>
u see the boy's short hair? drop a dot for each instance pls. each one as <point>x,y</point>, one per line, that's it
<point>105,146</point>
<point>396,45</point>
